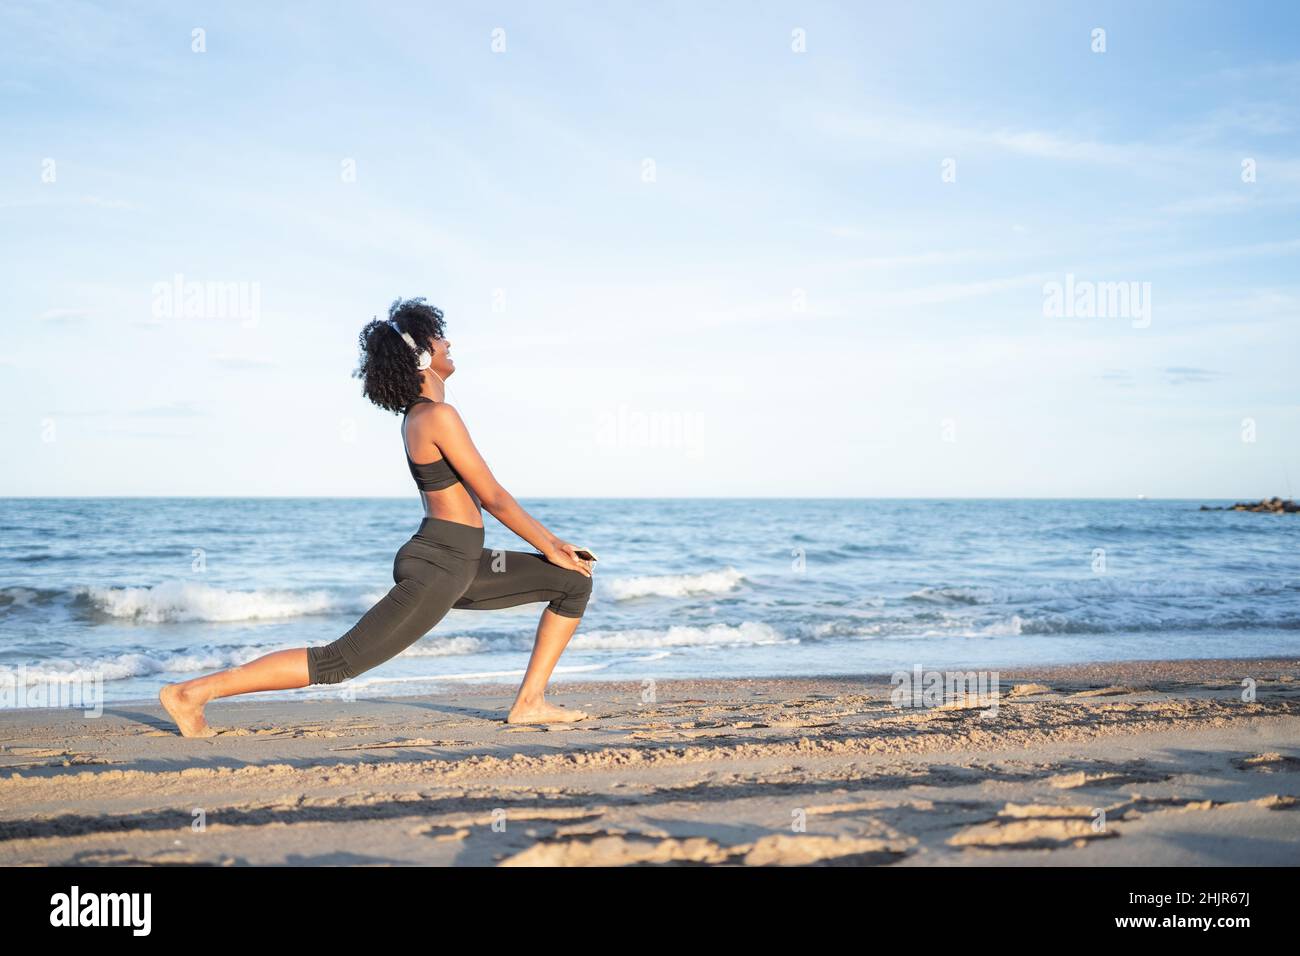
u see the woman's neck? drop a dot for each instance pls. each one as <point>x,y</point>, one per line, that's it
<point>433,388</point>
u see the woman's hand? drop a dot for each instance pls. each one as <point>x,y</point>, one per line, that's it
<point>565,555</point>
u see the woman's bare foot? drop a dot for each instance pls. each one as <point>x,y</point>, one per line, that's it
<point>540,712</point>
<point>186,711</point>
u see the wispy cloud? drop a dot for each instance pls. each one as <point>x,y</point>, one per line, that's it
<point>178,409</point>
<point>953,139</point>
<point>1188,375</point>
<point>1117,376</point>
<point>1285,71</point>
<point>64,315</point>
<point>1208,205</point>
<point>961,291</point>
<point>100,202</point>
<point>916,260</point>
<point>171,410</point>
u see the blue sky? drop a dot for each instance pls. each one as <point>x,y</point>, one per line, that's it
<point>676,256</point>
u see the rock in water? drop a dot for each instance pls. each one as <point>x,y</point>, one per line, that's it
<point>1274,505</point>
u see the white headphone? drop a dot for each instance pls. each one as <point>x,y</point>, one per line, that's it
<point>422,357</point>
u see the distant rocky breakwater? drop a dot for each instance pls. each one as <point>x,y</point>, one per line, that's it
<point>1271,505</point>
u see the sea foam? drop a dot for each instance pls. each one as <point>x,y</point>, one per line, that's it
<point>184,601</point>
<point>676,585</point>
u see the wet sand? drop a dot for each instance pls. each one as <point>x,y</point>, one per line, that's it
<point>1100,764</point>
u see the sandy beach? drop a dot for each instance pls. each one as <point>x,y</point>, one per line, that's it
<point>1101,764</point>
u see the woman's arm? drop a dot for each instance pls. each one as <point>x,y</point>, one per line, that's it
<point>452,438</point>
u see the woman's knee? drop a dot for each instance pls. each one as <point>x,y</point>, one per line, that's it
<point>400,618</point>
<point>327,664</point>
<point>576,588</point>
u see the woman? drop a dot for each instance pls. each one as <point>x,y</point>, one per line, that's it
<point>404,364</point>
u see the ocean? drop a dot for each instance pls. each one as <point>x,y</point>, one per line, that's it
<point>142,592</point>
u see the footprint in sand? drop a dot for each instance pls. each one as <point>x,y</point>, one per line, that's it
<point>606,848</point>
<point>1115,691</point>
<point>1033,826</point>
<point>1267,763</point>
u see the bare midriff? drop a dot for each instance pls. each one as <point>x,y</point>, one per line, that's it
<point>452,504</point>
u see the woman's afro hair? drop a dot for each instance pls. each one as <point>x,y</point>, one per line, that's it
<point>387,367</point>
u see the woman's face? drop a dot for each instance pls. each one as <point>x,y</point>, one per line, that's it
<point>441,363</point>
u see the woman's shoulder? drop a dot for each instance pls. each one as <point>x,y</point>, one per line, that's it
<point>433,414</point>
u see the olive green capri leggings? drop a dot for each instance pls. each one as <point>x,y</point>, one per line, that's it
<point>443,566</point>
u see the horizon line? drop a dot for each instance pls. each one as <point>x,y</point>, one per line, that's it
<point>640,498</point>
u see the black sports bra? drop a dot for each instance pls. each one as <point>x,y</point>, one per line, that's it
<point>433,475</point>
